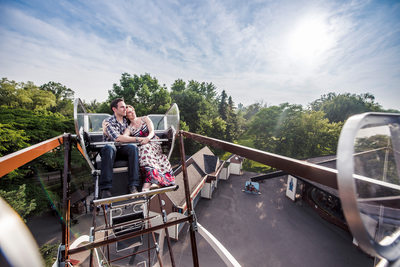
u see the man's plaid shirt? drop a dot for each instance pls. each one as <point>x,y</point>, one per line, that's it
<point>114,128</point>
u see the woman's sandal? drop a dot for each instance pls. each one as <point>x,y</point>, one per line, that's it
<point>154,186</point>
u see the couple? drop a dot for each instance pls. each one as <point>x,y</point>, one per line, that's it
<point>125,127</point>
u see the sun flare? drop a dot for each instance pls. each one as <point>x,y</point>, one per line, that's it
<point>309,39</point>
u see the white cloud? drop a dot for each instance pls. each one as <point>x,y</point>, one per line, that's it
<point>240,47</point>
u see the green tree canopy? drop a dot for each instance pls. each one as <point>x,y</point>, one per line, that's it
<point>8,92</point>
<point>307,134</point>
<point>223,106</point>
<point>203,111</point>
<point>264,124</point>
<point>197,107</point>
<point>291,131</point>
<point>143,92</point>
<point>339,107</point>
<point>251,110</point>
<point>64,97</point>
<point>25,95</point>
<point>11,139</point>
<point>36,125</point>
<point>18,200</point>
<point>232,131</point>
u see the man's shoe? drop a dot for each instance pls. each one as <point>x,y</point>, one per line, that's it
<point>106,193</point>
<point>133,190</point>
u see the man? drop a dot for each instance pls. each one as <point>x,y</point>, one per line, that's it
<point>113,132</point>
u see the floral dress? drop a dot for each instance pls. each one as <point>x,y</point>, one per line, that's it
<point>154,165</point>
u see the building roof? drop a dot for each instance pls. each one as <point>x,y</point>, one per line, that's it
<point>327,161</point>
<point>236,159</point>
<point>210,163</point>
<point>200,164</point>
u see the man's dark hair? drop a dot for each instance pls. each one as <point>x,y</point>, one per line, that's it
<point>114,103</point>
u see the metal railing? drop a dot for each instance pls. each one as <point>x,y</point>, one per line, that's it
<point>313,172</point>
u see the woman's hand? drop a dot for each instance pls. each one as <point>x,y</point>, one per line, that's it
<point>144,140</point>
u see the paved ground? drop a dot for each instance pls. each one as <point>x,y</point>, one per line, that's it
<point>259,230</point>
<point>269,230</point>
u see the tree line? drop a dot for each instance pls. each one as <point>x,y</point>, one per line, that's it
<point>30,114</point>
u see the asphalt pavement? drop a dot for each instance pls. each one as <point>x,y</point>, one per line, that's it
<point>258,230</point>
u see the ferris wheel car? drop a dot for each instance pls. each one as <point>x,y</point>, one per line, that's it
<point>368,164</point>
<point>89,130</point>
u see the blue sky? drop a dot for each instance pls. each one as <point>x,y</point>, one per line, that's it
<point>270,51</point>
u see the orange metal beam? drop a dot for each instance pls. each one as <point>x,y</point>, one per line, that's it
<point>80,149</point>
<point>15,160</point>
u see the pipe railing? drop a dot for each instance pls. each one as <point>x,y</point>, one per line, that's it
<point>313,172</point>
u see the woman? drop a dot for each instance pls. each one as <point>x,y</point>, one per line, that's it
<point>154,165</point>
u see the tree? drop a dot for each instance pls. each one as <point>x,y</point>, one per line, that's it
<point>306,134</point>
<point>214,127</point>
<point>25,95</point>
<point>60,91</point>
<point>8,91</point>
<point>11,139</point>
<point>191,106</point>
<point>18,200</point>
<point>143,92</point>
<point>196,104</point>
<point>340,107</point>
<point>37,125</point>
<point>64,97</point>
<point>232,123</point>
<point>97,107</point>
<point>252,110</point>
<point>208,90</point>
<point>391,110</point>
<point>31,97</point>
<point>178,86</point>
<point>263,126</point>
<point>291,131</point>
<point>104,107</point>
<point>223,106</point>
<point>198,109</point>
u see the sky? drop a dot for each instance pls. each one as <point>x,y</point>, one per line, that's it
<point>257,51</point>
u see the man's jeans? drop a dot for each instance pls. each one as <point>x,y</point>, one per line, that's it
<point>108,155</point>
